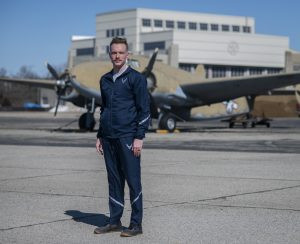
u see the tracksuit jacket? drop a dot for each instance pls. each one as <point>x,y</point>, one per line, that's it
<point>125,116</point>
<point>125,107</point>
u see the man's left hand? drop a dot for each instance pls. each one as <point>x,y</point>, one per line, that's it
<point>137,147</point>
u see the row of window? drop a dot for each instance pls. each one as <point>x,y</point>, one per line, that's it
<point>115,32</point>
<point>194,26</point>
<point>239,71</point>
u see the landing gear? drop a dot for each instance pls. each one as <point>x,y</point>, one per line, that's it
<point>87,121</point>
<point>167,122</point>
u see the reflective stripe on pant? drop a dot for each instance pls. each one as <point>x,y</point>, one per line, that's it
<point>121,164</point>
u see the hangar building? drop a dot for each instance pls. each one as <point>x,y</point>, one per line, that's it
<point>226,45</point>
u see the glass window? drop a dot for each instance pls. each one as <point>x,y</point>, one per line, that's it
<point>170,24</point>
<point>117,32</point>
<point>246,29</point>
<point>235,28</point>
<point>237,71</point>
<point>112,32</point>
<point>85,51</point>
<point>225,27</point>
<point>158,23</point>
<point>146,22</point>
<point>273,71</point>
<point>255,71</point>
<point>122,31</point>
<point>218,72</point>
<point>192,26</point>
<point>181,25</point>
<point>107,33</point>
<point>214,27</point>
<point>152,45</point>
<point>203,26</point>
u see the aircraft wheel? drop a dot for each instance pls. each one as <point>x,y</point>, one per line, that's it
<point>168,122</point>
<point>245,124</point>
<point>253,124</point>
<point>87,122</point>
<point>268,125</point>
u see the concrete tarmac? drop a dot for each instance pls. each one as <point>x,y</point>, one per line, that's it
<point>208,184</point>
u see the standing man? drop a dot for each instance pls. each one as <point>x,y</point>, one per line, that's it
<point>124,119</point>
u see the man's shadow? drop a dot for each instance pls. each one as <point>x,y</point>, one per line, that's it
<point>88,218</point>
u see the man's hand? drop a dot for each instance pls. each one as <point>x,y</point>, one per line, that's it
<point>137,147</point>
<point>99,146</point>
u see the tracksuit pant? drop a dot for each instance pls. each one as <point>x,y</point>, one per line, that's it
<point>121,165</point>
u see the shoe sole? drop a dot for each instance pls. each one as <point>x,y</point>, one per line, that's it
<point>128,235</point>
<point>104,232</point>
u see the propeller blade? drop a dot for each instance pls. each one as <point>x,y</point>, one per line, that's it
<point>56,108</point>
<point>52,71</point>
<point>149,67</point>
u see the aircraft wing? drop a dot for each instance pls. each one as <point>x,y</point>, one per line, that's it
<point>43,83</point>
<point>220,90</point>
<point>86,91</point>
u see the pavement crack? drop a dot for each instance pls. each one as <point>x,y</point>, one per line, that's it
<point>223,197</point>
<point>38,176</point>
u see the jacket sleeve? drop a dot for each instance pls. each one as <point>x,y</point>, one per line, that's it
<point>142,105</point>
<point>99,133</point>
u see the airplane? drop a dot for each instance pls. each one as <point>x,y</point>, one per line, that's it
<point>168,104</point>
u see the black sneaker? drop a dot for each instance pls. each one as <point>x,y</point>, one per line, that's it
<point>132,230</point>
<point>108,228</point>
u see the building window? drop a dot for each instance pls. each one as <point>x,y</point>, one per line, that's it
<point>85,51</point>
<point>237,71</point>
<point>192,26</point>
<point>170,24</point>
<point>188,67</point>
<point>181,25</point>
<point>115,32</point>
<point>146,22</point>
<point>218,72</point>
<point>152,45</point>
<point>225,27</point>
<point>158,23</point>
<point>203,26</point>
<point>246,29</point>
<point>255,71</point>
<point>214,27</point>
<point>235,28</point>
<point>273,71</point>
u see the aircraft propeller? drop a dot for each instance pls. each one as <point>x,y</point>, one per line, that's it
<point>151,83</point>
<point>62,83</point>
<point>151,80</point>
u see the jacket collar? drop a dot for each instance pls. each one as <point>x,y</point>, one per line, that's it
<point>110,74</point>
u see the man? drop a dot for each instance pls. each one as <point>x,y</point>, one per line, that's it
<point>124,119</point>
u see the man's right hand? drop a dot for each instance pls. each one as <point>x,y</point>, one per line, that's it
<point>99,146</point>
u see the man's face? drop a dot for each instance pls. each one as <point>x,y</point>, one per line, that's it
<point>118,54</point>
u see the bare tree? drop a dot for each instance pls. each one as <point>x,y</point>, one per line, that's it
<point>27,72</point>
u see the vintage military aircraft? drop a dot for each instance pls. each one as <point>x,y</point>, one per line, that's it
<point>173,92</point>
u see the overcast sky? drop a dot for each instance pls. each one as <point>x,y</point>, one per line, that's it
<point>35,31</point>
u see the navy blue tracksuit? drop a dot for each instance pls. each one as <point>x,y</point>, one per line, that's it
<point>125,116</point>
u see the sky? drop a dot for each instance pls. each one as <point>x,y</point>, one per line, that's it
<point>35,31</point>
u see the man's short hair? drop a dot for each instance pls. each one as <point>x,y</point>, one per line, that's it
<point>118,40</point>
